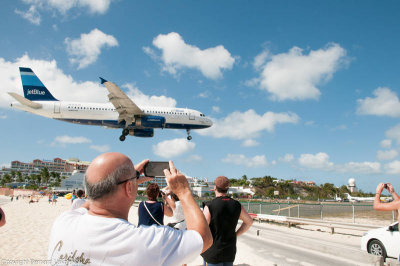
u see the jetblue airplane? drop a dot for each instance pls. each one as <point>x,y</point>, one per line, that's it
<point>122,112</point>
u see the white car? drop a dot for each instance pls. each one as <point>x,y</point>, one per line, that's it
<point>384,241</point>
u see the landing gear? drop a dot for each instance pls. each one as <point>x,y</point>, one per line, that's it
<point>125,132</point>
<point>188,132</point>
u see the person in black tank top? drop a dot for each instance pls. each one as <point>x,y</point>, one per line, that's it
<point>222,214</point>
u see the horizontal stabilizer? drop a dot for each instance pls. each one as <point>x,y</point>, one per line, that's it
<point>25,101</point>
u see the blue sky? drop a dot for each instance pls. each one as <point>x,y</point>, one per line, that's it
<point>304,90</point>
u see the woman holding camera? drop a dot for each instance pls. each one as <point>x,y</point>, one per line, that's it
<point>391,206</point>
<point>152,211</point>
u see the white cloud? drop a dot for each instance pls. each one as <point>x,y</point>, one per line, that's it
<point>250,143</point>
<point>394,133</point>
<point>177,55</point>
<point>62,86</point>
<point>386,155</point>
<point>64,140</point>
<point>321,161</point>
<point>240,159</point>
<point>287,158</point>
<point>32,15</point>
<point>216,109</point>
<point>386,143</point>
<point>317,161</point>
<point>62,7</point>
<point>100,148</point>
<point>360,167</point>
<point>173,148</point>
<point>247,125</point>
<point>193,158</point>
<point>260,60</point>
<point>393,167</point>
<point>385,103</point>
<point>294,76</point>
<point>86,50</point>
<point>144,100</point>
<point>204,94</point>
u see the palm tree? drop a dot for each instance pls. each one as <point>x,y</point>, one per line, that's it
<point>7,178</point>
<point>19,177</point>
<point>12,174</point>
<point>45,175</point>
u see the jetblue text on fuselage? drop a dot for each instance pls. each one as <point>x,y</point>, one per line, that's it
<point>35,92</point>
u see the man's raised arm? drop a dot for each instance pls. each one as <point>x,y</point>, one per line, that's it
<point>194,217</point>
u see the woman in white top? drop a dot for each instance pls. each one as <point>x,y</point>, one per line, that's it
<point>177,216</point>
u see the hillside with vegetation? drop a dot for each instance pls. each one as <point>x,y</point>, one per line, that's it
<point>264,187</point>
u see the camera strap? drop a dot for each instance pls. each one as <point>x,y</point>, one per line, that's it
<point>144,203</point>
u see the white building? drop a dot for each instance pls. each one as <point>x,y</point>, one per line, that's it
<point>75,181</point>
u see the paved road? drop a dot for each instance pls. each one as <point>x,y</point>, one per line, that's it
<point>284,246</point>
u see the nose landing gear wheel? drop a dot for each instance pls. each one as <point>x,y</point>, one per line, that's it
<point>122,138</point>
<point>188,132</point>
<point>125,131</point>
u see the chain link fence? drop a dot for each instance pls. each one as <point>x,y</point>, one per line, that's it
<point>349,212</point>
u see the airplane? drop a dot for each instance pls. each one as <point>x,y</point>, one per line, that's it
<point>366,199</point>
<point>121,112</point>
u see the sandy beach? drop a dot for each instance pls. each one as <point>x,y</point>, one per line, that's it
<point>25,236</point>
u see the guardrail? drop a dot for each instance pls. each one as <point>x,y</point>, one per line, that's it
<point>297,221</point>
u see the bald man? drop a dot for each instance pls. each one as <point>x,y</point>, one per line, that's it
<point>102,235</point>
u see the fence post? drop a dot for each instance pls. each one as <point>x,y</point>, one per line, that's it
<point>354,218</point>
<point>298,210</point>
<point>393,216</point>
<point>260,208</point>
<point>248,206</point>
<point>320,207</point>
<point>279,210</point>
<point>288,207</point>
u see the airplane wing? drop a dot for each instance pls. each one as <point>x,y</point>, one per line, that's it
<point>126,108</point>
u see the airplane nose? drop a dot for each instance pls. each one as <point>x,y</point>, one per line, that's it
<point>210,123</point>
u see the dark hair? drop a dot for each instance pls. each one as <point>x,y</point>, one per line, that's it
<point>220,190</point>
<point>152,191</point>
<point>174,196</point>
<point>109,184</point>
<point>80,193</point>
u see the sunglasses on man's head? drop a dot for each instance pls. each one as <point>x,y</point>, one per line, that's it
<point>133,177</point>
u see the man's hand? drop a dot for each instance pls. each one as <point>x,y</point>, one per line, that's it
<point>177,182</point>
<point>140,168</point>
<point>379,188</point>
<point>390,188</point>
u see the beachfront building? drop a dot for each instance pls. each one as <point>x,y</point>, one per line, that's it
<point>57,165</point>
<point>74,181</point>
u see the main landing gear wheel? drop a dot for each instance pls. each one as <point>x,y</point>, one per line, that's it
<point>125,133</point>
<point>188,132</point>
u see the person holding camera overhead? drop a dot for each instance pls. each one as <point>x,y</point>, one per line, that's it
<point>152,211</point>
<point>390,206</point>
<point>106,237</point>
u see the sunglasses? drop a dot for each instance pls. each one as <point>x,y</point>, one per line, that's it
<point>133,177</point>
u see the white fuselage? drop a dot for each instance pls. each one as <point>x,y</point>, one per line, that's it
<point>105,114</point>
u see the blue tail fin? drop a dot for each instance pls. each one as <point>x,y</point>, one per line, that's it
<point>34,89</point>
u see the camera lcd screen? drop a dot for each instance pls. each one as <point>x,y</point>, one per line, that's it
<point>155,169</point>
